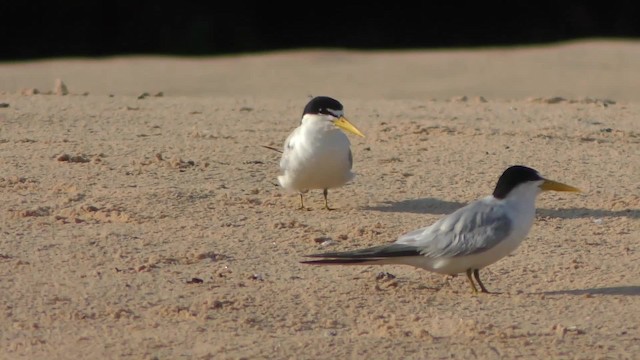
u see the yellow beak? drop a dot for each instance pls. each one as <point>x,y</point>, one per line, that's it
<point>345,125</point>
<point>557,186</point>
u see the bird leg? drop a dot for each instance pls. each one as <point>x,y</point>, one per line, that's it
<point>325,192</point>
<point>476,274</point>
<point>473,286</point>
<point>301,202</point>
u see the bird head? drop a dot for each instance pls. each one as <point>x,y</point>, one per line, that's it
<point>329,109</point>
<point>519,176</point>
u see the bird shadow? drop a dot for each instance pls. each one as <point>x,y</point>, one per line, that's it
<point>418,206</point>
<point>437,206</point>
<point>614,290</point>
<point>575,213</point>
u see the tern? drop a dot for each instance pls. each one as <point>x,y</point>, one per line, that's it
<point>317,154</point>
<point>467,240</point>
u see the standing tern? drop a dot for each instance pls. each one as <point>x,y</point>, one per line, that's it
<point>317,155</point>
<point>467,240</point>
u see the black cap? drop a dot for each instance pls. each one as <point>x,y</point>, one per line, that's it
<point>321,105</point>
<point>512,177</point>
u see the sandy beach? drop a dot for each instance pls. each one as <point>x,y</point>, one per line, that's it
<point>140,217</point>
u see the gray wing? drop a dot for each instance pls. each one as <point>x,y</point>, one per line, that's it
<point>472,229</point>
<point>350,160</point>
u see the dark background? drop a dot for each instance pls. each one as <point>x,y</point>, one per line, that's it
<point>101,28</point>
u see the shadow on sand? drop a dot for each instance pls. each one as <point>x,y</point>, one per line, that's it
<point>418,206</point>
<point>614,290</point>
<point>437,206</point>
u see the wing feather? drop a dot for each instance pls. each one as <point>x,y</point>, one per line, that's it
<point>289,146</point>
<point>472,229</point>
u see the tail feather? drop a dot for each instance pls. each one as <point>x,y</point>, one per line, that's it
<point>271,148</point>
<point>372,253</point>
<point>339,262</point>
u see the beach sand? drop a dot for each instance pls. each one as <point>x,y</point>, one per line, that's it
<point>140,219</point>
